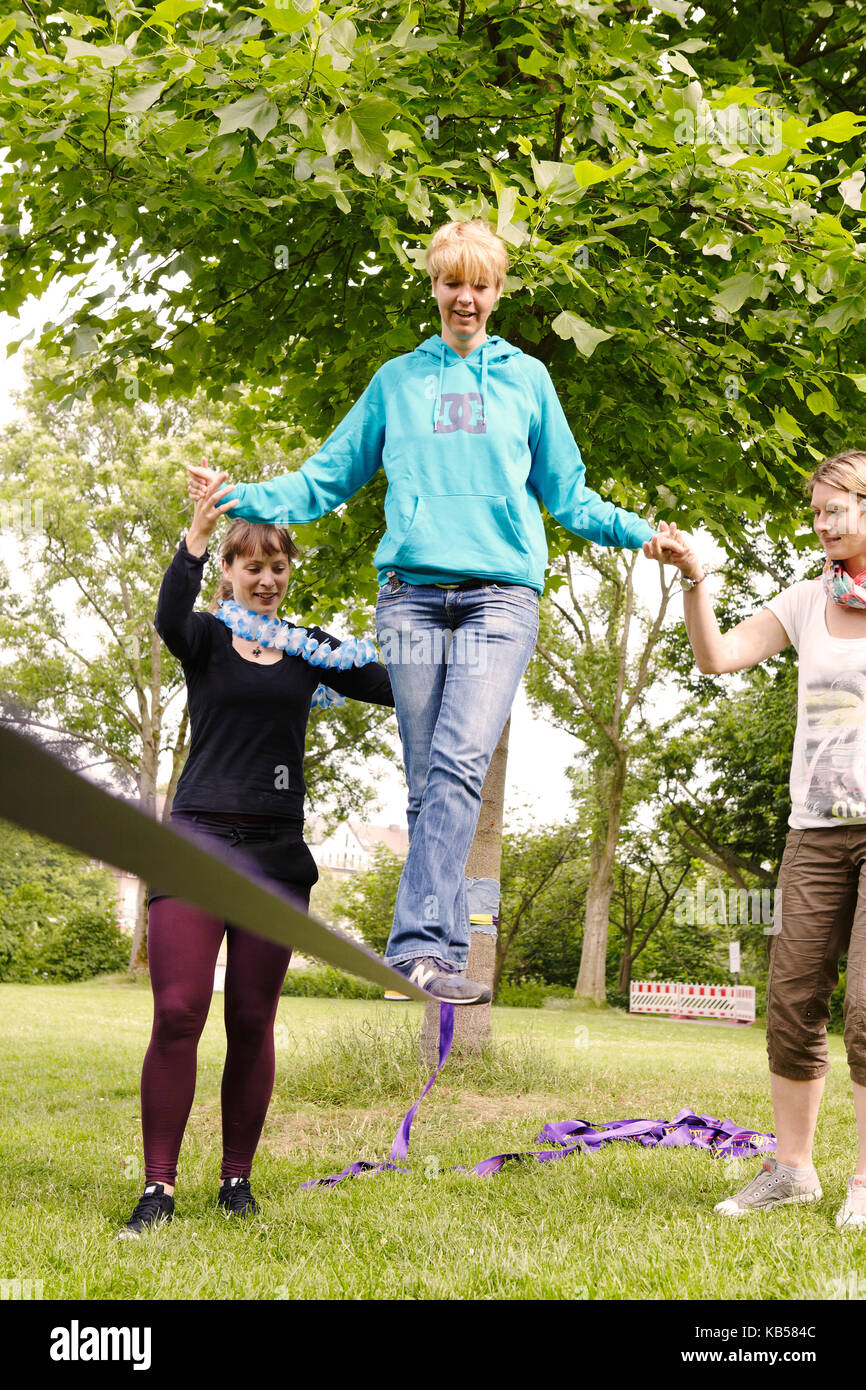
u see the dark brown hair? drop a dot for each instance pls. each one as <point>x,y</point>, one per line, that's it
<point>249,538</point>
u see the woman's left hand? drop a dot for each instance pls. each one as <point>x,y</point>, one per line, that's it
<point>669,545</point>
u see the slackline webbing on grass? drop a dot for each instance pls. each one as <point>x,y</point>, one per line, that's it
<point>721,1138</point>
<point>42,795</point>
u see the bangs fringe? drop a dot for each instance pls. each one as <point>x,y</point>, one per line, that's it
<point>247,537</point>
<point>846,471</point>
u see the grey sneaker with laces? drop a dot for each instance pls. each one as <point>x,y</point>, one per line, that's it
<point>434,976</point>
<point>769,1188</point>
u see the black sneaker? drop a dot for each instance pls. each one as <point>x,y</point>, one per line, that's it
<point>236,1198</point>
<point>432,975</point>
<point>153,1208</point>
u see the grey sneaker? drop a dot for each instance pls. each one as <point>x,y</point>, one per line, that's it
<point>432,975</point>
<point>853,1210</point>
<point>769,1189</point>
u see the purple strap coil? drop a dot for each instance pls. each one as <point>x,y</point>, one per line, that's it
<point>687,1130</point>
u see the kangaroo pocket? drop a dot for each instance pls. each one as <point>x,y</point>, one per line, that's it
<point>460,534</point>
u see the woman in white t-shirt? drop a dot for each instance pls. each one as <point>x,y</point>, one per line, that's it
<point>821,895</point>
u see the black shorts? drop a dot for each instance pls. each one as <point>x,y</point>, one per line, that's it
<point>256,845</point>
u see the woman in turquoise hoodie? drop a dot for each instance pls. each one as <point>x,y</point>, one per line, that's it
<point>472,438</point>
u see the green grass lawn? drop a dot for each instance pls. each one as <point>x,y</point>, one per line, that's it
<point>623,1223</point>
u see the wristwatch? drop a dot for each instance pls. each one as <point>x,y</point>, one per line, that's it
<point>692,583</point>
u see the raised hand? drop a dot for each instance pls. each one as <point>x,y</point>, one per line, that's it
<point>208,512</point>
<point>200,478</point>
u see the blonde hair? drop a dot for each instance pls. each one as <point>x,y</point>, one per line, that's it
<point>246,538</point>
<point>468,251</point>
<point>846,471</point>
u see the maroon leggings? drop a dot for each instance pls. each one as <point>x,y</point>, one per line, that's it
<point>183,944</point>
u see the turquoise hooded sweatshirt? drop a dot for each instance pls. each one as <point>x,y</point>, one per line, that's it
<point>470,446</point>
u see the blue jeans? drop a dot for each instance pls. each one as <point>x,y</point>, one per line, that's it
<point>455,658</point>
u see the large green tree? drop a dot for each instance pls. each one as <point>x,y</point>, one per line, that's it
<point>682,210</point>
<point>683,213</point>
<point>84,665</point>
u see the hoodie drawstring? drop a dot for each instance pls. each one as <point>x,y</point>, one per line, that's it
<point>437,404</point>
<point>484,383</point>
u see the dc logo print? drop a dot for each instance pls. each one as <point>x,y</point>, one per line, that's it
<point>460,411</point>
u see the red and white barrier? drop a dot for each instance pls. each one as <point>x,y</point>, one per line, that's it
<point>734,1003</point>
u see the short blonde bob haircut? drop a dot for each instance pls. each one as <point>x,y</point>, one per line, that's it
<point>469,251</point>
<point>847,471</point>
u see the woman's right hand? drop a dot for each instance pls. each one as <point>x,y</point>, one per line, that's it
<point>208,512</point>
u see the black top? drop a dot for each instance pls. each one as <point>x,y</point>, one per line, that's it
<point>248,721</point>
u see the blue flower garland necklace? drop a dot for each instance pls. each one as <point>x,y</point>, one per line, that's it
<point>267,631</point>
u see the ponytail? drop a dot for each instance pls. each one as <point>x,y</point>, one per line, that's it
<point>224,591</point>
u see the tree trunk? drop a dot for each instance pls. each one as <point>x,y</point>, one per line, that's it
<point>624,981</point>
<point>147,803</point>
<point>472,1022</point>
<point>593,958</point>
<point>138,953</point>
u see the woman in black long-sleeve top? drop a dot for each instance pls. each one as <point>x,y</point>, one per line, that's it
<point>242,785</point>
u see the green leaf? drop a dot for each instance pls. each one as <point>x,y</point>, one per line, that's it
<point>859,381</point>
<point>535,65</point>
<point>734,293</point>
<point>286,18</point>
<point>786,424</point>
<point>168,12</point>
<point>582,334</point>
<point>109,55</point>
<point>6,28</point>
<point>587,173</point>
<point>548,174</point>
<point>820,402</point>
<point>256,113</point>
<point>361,132</point>
<point>681,64</point>
<point>337,42</point>
<point>678,8</point>
<point>142,98</point>
<point>401,34</point>
<point>843,125</point>
<point>718,247</point>
<point>507,203</point>
<point>852,189</point>
<point>505,226</point>
<point>84,342</point>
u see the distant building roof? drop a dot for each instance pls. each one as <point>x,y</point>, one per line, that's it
<point>394,837</point>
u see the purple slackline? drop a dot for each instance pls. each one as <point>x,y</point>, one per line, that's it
<point>400,1147</point>
<point>687,1130</point>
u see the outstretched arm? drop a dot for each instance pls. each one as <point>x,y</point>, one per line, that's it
<point>346,461</point>
<point>716,652</point>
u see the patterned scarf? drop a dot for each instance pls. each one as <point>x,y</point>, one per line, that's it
<point>841,587</point>
<point>296,641</point>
